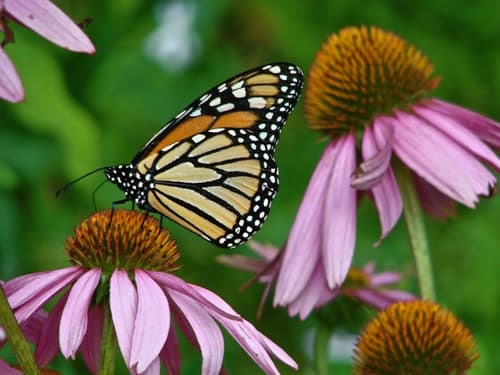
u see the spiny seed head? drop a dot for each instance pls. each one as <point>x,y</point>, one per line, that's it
<point>417,337</point>
<point>122,239</point>
<point>360,73</point>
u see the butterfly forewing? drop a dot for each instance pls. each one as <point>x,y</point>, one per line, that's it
<point>212,169</point>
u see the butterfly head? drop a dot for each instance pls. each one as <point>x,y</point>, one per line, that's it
<point>133,183</point>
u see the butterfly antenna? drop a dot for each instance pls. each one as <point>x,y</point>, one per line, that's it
<point>94,193</point>
<point>71,183</point>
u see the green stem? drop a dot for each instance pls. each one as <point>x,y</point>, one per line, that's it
<point>16,338</point>
<point>416,232</point>
<point>321,343</point>
<point>108,345</point>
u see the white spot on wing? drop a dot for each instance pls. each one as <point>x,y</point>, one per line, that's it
<point>257,102</point>
<point>240,93</point>
<point>225,107</point>
<point>275,69</point>
<point>198,138</point>
<point>215,102</point>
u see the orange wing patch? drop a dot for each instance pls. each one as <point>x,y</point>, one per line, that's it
<point>238,119</point>
<point>186,129</point>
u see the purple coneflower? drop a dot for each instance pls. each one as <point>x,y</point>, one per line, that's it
<point>368,90</point>
<point>122,277</point>
<point>361,284</point>
<point>44,18</point>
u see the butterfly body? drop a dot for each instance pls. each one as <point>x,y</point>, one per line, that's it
<point>211,169</point>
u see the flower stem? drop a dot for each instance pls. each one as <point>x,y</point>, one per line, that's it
<point>414,220</point>
<point>321,343</point>
<point>108,345</point>
<point>17,340</point>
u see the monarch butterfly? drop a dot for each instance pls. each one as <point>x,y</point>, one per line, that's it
<point>211,168</point>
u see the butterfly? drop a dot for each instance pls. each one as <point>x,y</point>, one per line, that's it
<point>211,169</point>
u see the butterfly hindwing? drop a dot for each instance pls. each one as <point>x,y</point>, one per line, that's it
<point>211,169</point>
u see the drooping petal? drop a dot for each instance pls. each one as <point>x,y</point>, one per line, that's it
<point>151,324</point>
<point>386,194</point>
<point>315,294</point>
<point>440,160</point>
<point>207,333</point>
<point>377,156</point>
<point>245,334</point>
<point>91,344</point>
<point>44,18</point>
<point>249,340</point>
<point>153,368</point>
<point>11,88</point>
<point>303,246</point>
<point>74,317</point>
<point>277,352</point>
<point>434,202</point>
<point>339,221</point>
<point>171,282</point>
<point>461,134</point>
<point>123,304</point>
<point>26,294</point>
<point>47,345</point>
<point>170,354</point>
<point>485,128</point>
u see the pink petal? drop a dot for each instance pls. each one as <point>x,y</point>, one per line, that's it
<point>152,322</point>
<point>170,354</point>
<point>315,294</point>
<point>485,128</point>
<point>223,308</point>
<point>91,344</point>
<point>267,252</point>
<point>171,282</point>
<point>32,329</point>
<point>49,21</point>
<point>384,278</point>
<point>208,335</point>
<point>249,340</point>
<point>242,262</point>
<point>303,246</point>
<point>339,224</point>
<point>434,202</point>
<point>277,351</point>
<point>458,132</point>
<point>153,368</point>
<point>377,157</point>
<point>26,294</point>
<point>11,88</point>
<point>123,304</point>
<point>439,160</point>
<point>5,369</point>
<point>74,317</point>
<point>386,194</point>
<point>47,345</point>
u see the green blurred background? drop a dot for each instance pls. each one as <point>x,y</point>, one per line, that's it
<point>83,112</point>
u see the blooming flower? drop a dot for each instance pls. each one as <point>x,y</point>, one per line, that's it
<point>367,90</point>
<point>44,18</point>
<point>363,284</point>
<point>123,261</point>
<point>417,337</point>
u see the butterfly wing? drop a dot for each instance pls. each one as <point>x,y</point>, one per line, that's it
<point>259,99</point>
<point>212,167</point>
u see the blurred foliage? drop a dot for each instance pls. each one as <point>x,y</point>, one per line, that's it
<point>82,112</point>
